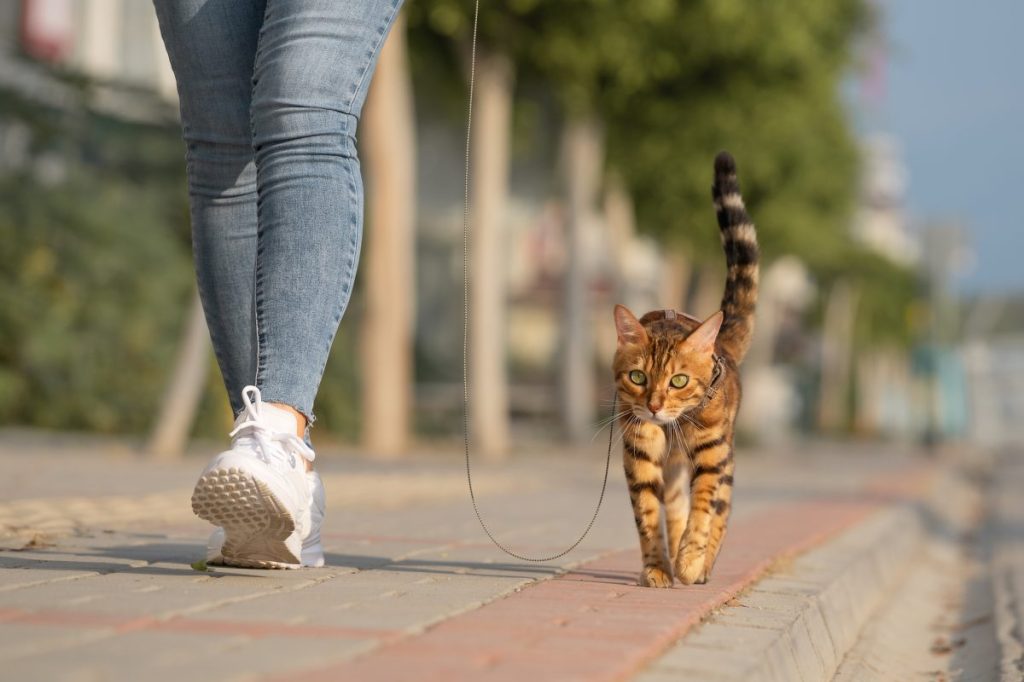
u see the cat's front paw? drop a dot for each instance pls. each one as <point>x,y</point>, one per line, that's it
<point>690,568</point>
<point>652,576</point>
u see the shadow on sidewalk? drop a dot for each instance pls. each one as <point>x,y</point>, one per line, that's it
<point>63,561</point>
<point>161,557</point>
<point>476,569</point>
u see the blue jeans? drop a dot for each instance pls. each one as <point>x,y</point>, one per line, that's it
<point>270,93</point>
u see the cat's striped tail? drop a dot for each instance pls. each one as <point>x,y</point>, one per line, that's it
<point>739,241</point>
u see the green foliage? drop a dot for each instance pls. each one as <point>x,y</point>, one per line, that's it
<point>674,83</point>
<point>96,278</point>
<point>95,272</point>
<point>759,79</point>
<point>887,294</point>
<point>95,287</point>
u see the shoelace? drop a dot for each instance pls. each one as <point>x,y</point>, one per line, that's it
<point>270,446</point>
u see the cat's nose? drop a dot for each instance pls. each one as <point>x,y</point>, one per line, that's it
<point>653,406</point>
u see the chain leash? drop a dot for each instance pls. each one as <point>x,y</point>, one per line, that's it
<point>465,345</point>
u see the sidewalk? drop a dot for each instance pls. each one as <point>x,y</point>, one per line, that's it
<point>98,549</point>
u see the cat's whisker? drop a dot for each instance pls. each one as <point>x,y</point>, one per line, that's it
<point>678,430</point>
<point>692,421</point>
<point>631,424</point>
<point>604,423</point>
<point>619,440</point>
<point>613,417</point>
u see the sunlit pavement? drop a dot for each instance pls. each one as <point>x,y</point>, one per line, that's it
<point>98,546</point>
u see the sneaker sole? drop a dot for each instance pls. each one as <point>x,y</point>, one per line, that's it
<point>256,524</point>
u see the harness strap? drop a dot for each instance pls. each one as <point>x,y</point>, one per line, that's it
<point>712,390</point>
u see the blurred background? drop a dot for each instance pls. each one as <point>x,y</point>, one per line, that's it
<point>879,152</point>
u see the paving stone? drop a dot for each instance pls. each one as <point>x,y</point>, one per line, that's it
<point>767,601</point>
<point>730,637</point>
<point>152,590</point>
<point>19,578</point>
<point>22,640</point>
<point>173,656</point>
<point>699,663</point>
<point>820,637</point>
<point>757,618</point>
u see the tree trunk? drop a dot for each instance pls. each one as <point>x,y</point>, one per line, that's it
<point>706,296</point>
<point>837,357</point>
<point>675,280</point>
<point>620,217</point>
<point>389,141</point>
<point>583,158</point>
<point>185,390</point>
<point>488,375</point>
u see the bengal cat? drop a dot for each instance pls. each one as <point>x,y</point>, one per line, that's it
<point>679,390</point>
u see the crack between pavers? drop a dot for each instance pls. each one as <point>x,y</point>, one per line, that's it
<point>48,581</point>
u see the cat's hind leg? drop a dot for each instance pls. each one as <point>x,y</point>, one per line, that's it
<point>721,506</point>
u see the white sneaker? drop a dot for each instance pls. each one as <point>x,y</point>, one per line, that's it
<point>312,548</point>
<point>258,491</point>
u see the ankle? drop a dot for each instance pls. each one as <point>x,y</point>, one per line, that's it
<point>300,419</point>
<point>300,424</point>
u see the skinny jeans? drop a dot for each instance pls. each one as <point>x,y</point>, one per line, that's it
<point>270,93</point>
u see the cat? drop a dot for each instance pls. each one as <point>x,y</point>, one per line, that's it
<point>679,390</point>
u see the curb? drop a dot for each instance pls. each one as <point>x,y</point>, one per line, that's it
<point>1006,573</point>
<point>799,623</point>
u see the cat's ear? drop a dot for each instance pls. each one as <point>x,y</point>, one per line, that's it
<point>702,340</point>
<point>629,329</point>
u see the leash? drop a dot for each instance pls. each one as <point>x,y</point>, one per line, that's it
<point>465,345</point>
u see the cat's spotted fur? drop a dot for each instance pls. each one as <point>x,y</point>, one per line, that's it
<point>679,388</point>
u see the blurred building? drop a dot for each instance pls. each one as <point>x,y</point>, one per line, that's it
<point>881,220</point>
<point>995,372</point>
<point>46,46</point>
<point>107,40</point>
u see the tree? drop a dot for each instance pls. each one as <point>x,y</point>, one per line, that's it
<point>671,84</point>
<point>387,328</point>
<point>489,160</point>
<point>583,162</point>
<point>488,409</point>
<point>177,411</point>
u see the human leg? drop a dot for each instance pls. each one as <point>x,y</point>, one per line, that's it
<point>309,70</point>
<point>212,48</point>
<point>312,70</point>
<point>258,489</point>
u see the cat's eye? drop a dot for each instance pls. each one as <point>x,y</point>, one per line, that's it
<point>679,380</point>
<point>638,377</point>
